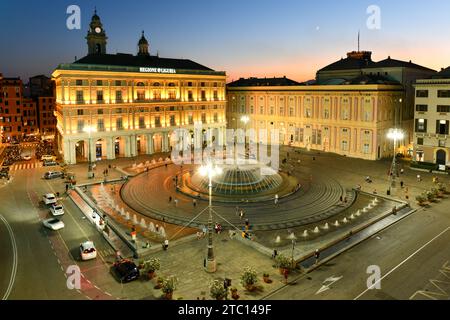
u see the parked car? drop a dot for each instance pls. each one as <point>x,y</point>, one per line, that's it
<point>47,157</point>
<point>53,224</point>
<point>57,210</point>
<point>50,163</point>
<point>53,175</point>
<point>88,251</point>
<point>49,198</point>
<point>126,271</point>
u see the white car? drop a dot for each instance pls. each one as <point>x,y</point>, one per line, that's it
<point>53,224</point>
<point>47,157</point>
<point>57,210</point>
<point>26,157</point>
<point>49,198</point>
<point>88,251</point>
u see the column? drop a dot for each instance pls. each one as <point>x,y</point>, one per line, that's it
<point>93,149</point>
<point>133,145</point>
<point>110,154</point>
<point>127,142</point>
<point>150,147</point>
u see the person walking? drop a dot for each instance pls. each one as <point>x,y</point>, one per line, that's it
<point>166,244</point>
<point>276,199</point>
<point>317,255</point>
<point>419,178</point>
<point>401,184</point>
<point>194,202</point>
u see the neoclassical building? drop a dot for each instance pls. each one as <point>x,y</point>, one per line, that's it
<point>123,105</point>
<point>432,119</point>
<point>348,109</point>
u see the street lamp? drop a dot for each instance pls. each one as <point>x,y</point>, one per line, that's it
<point>394,134</point>
<point>89,129</point>
<point>292,237</point>
<point>245,120</point>
<point>210,171</point>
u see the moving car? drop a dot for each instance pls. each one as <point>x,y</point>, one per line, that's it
<point>53,224</point>
<point>126,270</point>
<point>50,163</point>
<point>53,174</point>
<point>26,157</point>
<point>88,251</point>
<point>49,198</point>
<point>47,157</point>
<point>57,210</point>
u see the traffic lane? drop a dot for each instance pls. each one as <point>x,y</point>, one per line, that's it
<point>418,272</point>
<point>7,260</point>
<point>39,275</point>
<point>385,249</point>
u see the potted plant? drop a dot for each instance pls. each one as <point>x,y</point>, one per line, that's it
<point>266,278</point>
<point>442,188</point>
<point>430,196</point>
<point>420,200</point>
<point>151,266</point>
<point>217,290</point>
<point>234,293</point>
<point>283,263</point>
<point>168,286</point>
<point>249,278</point>
<point>159,283</point>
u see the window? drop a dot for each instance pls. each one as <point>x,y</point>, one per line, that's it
<point>99,82</point>
<point>252,109</point>
<point>156,84</point>
<point>172,121</point>
<point>421,125</point>
<point>118,96</point>
<point>272,110</point>
<point>308,113</point>
<point>281,111</point>
<point>119,110</point>
<point>118,83</point>
<point>100,125</point>
<point>156,95</point>
<point>80,125</point>
<point>366,148</point>
<point>216,117</point>
<point>17,102</point>
<point>442,126</point>
<point>422,107</point>
<point>157,121</point>
<point>420,141</point>
<point>443,109</point>
<point>202,84</point>
<point>344,145</point>
<point>119,124</point>
<point>326,113</point>
<point>172,95</point>
<point>203,93</point>
<point>190,96</point>
<point>141,123</point>
<point>190,119</point>
<point>140,95</point>
<point>99,111</point>
<point>80,112</point>
<point>422,93</point>
<point>189,84</point>
<point>216,95</point>
<point>291,112</point>
<point>79,82</point>
<point>100,96</point>
<point>443,93</point>
<point>203,117</point>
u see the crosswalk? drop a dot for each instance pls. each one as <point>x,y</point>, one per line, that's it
<point>26,166</point>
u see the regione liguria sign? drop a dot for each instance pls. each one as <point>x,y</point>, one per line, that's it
<point>156,70</point>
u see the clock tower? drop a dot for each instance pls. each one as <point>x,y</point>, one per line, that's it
<point>96,37</point>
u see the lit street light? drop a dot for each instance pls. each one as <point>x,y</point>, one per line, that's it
<point>245,120</point>
<point>292,237</point>
<point>394,134</point>
<point>89,129</point>
<point>211,171</point>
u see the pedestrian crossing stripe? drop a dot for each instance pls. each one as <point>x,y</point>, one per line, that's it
<point>26,166</point>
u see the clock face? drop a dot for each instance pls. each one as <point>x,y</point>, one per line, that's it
<point>98,30</point>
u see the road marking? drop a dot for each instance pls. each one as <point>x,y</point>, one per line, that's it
<point>331,280</point>
<point>401,263</point>
<point>12,279</point>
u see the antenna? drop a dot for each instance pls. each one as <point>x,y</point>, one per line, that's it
<point>358,38</point>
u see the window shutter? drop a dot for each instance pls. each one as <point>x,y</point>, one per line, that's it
<point>437,126</point>
<point>425,126</point>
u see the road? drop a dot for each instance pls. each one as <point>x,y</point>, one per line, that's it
<point>413,257</point>
<point>43,256</point>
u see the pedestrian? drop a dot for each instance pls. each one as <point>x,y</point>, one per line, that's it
<point>340,199</point>
<point>394,211</point>
<point>157,228</point>
<point>170,199</point>
<point>67,187</point>
<point>401,170</point>
<point>166,244</point>
<point>419,178</point>
<point>118,256</point>
<point>374,191</point>
<point>241,214</point>
<point>276,199</point>
<point>194,202</point>
<point>274,254</point>
<point>401,184</point>
<point>176,202</point>
<point>317,255</point>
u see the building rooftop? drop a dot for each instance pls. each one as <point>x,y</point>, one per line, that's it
<point>129,60</point>
<point>443,74</point>
<point>393,63</point>
<point>267,82</point>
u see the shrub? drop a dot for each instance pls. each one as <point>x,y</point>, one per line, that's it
<point>249,277</point>
<point>217,290</point>
<point>282,262</point>
<point>152,265</point>
<point>169,284</point>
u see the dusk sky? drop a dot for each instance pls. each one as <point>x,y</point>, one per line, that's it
<point>242,37</point>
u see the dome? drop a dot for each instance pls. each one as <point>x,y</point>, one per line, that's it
<point>143,40</point>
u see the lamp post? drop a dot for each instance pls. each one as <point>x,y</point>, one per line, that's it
<point>211,171</point>
<point>245,120</point>
<point>89,129</point>
<point>394,134</point>
<point>292,237</point>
